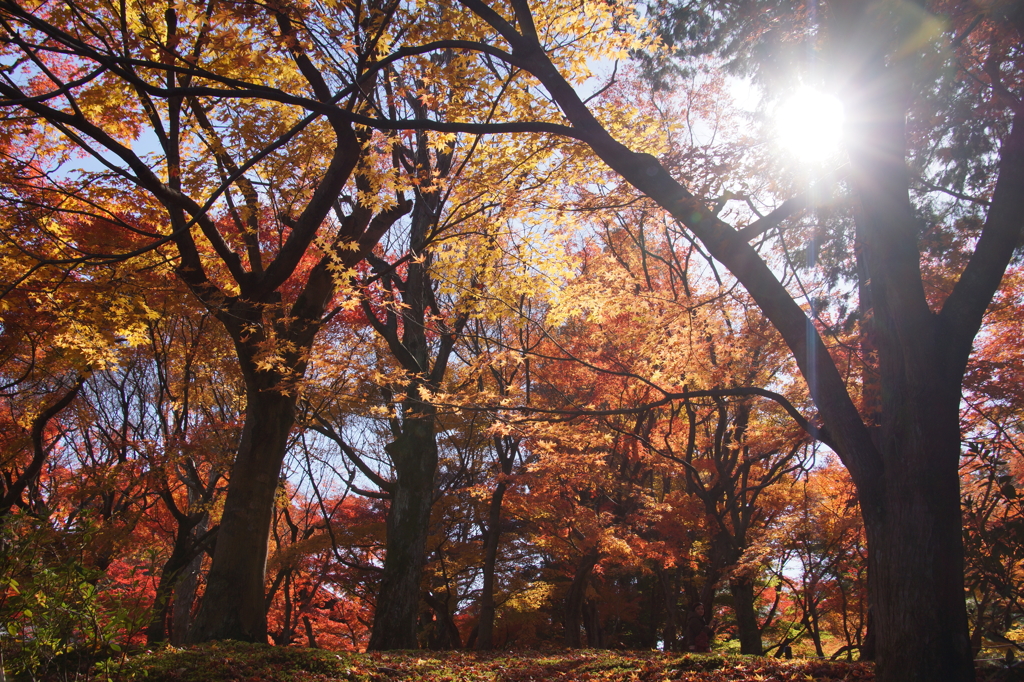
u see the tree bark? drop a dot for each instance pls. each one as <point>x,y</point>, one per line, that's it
<point>185,594</point>
<point>485,632</point>
<point>669,592</point>
<point>413,451</point>
<point>181,556</point>
<point>233,605</point>
<point>506,449</point>
<point>414,454</point>
<point>573,614</point>
<point>916,552</point>
<point>742,591</point>
<point>592,625</point>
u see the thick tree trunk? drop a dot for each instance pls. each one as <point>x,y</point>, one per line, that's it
<point>916,558</point>
<point>912,508</point>
<point>746,616</point>
<point>233,605</point>
<point>592,625</point>
<point>414,454</point>
<point>867,647</point>
<point>919,589</point>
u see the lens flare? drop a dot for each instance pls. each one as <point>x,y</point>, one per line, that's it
<point>809,125</point>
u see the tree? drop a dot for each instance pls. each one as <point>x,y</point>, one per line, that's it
<point>905,465</point>
<point>990,472</point>
<point>826,536</point>
<point>242,187</point>
<point>237,101</point>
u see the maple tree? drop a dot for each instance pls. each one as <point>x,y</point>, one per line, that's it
<point>509,457</point>
<point>615,415</point>
<point>903,458</point>
<point>990,474</point>
<point>713,454</point>
<point>825,535</point>
<point>99,75</point>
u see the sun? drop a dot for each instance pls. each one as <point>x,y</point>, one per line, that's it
<point>809,125</point>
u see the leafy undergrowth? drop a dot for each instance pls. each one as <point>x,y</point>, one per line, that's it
<point>225,661</point>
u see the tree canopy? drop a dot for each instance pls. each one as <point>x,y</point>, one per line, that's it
<point>469,324</point>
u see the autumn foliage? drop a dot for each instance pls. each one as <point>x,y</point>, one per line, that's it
<point>358,326</point>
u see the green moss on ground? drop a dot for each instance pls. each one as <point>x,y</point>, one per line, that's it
<point>237,661</point>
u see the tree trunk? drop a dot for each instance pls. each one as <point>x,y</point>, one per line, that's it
<point>653,619</point>
<point>916,551</point>
<point>574,599</point>
<point>233,605</point>
<point>310,635</point>
<point>592,625</point>
<point>485,633</point>
<point>414,454</point>
<point>182,554</point>
<point>868,649</point>
<point>911,510</point>
<point>185,593</point>
<point>746,617</point>
<point>669,592</point>
<point>812,624</point>
<point>446,635</point>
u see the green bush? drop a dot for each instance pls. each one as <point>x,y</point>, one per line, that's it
<point>51,616</point>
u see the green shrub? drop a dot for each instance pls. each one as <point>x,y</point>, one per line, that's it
<point>51,615</point>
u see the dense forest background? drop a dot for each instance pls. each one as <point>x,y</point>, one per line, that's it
<point>451,325</point>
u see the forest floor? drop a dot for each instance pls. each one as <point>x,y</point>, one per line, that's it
<point>233,661</point>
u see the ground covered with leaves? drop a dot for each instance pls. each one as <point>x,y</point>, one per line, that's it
<point>236,661</point>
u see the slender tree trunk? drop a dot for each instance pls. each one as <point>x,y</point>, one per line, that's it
<point>653,618</point>
<point>185,592</point>
<point>979,623</point>
<point>669,592</point>
<point>310,635</point>
<point>814,630</point>
<point>181,556</point>
<point>575,597</point>
<point>446,636</point>
<point>286,634</point>
<point>485,633</point>
<point>414,454</point>
<point>233,605</point>
<point>742,590</point>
